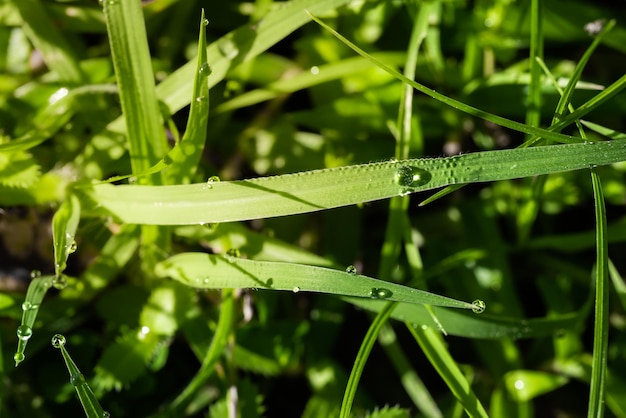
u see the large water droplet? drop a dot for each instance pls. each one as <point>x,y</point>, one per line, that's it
<point>228,48</point>
<point>58,341</point>
<point>77,379</point>
<point>205,69</point>
<point>60,281</point>
<point>380,293</point>
<point>407,176</point>
<point>24,332</point>
<point>478,306</point>
<point>351,270</point>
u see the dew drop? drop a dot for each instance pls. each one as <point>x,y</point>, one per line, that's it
<point>380,293</point>
<point>77,379</point>
<point>407,176</point>
<point>24,332</point>
<point>200,98</point>
<point>34,274</point>
<point>60,281</point>
<point>228,48</point>
<point>351,270</point>
<point>478,306</point>
<point>58,341</point>
<point>296,289</point>
<point>72,247</point>
<point>18,357</point>
<point>211,226</point>
<point>27,306</point>
<point>211,181</point>
<point>205,69</point>
<point>233,252</point>
<point>205,22</point>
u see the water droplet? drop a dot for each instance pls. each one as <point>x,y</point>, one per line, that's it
<point>380,293</point>
<point>72,247</point>
<point>296,289</point>
<point>211,226</point>
<point>200,98</point>
<point>407,176</point>
<point>233,252</point>
<point>315,70</point>
<point>351,269</point>
<point>58,341</point>
<point>211,181</point>
<point>60,281</point>
<point>228,48</point>
<point>478,306</point>
<point>77,379</point>
<point>27,306</point>
<point>205,22</point>
<point>205,69</point>
<point>18,357</point>
<point>24,332</point>
<point>34,274</point>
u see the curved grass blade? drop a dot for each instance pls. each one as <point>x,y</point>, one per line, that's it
<point>322,189</point>
<point>88,400</point>
<point>34,295</point>
<point>64,224</point>
<point>361,358</point>
<point>460,324</point>
<point>601,320</point>
<point>209,271</point>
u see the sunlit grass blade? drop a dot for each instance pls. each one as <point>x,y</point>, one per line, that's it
<point>602,130</point>
<point>470,325</point>
<point>49,40</point>
<point>88,400</point>
<point>361,359</point>
<point>433,346</point>
<point>601,318</point>
<point>64,225</point>
<point>36,291</point>
<point>208,271</point>
<point>322,189</point>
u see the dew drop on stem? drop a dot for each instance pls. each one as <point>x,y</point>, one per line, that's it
<point>24,332</point>
<point>58,341</point>
<point>380,293</point>
<point>478,306</point>
<point>59,282</point>
<point>407,176</point>
<point>211,181</point>
<point>34,274</point>
<point>205,69</point>
<point>296,289</point>
<point>351,270</point>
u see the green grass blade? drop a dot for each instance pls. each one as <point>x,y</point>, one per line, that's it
<point>208,271</point>
<point>533,104</point>
<point>433,346</point>
<point>361,359</point>
<point>49,40</point>
<point>133,69</point>
<point>34,295</point>
<point>322,189</point>
<point>88,400</point>
<point>64,225</point>
<point>601,322</point>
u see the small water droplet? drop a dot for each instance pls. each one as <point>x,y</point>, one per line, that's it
<point>205,22</point>
<point>205,69</point>
<point>27,306</point>
<point>211,226</point>
<point>407,176</point>
<point>315,70</point>
<point>60,281</point>
<point>18,357</point>
<point>211,181</point>
<point>380,293</point>
<point>24,332</point>
<point>200,98</point>
<point>77,379</point>
<point>34,274</point>
<point>72,247</point>
<point>296,289</point>
<point>228,48</point>
<point>351,270</point>
<point>478,306</point>
<point>233,252</point>
<point>58,341</point>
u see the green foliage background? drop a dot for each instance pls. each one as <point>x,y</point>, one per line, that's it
<point>79,105</point>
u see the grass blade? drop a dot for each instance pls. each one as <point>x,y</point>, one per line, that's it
<point>64,225</point>
<point>322,189</point>
<point>208,271</point>
<point>601,322</point>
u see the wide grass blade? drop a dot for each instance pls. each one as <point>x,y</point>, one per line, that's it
<point>208,271</point>
<point>322,189</point>
<point>601,320</point>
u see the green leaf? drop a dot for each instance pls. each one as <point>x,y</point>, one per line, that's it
<point>64,225</point>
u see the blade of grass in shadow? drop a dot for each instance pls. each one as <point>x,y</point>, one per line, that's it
<point>601,317</point>
<point>361,359</point>
<point>209,271</point>
<point>49,41</point>
<point>534,99</point>
<point>64,224</point>
<point>322,189</point>
<point>433,346</point>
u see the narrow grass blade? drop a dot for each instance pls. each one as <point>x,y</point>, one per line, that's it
<point>433,346</point>
<point>64,225</point>
<point>49,40</point>
<point>88,400</point>
<point>208,271</point>
<point>361,359</point>
<point>534,99</point>
<point>601,321</point>
<point>482,326</point>
<point>322,189</point>
<point>34,295</point>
